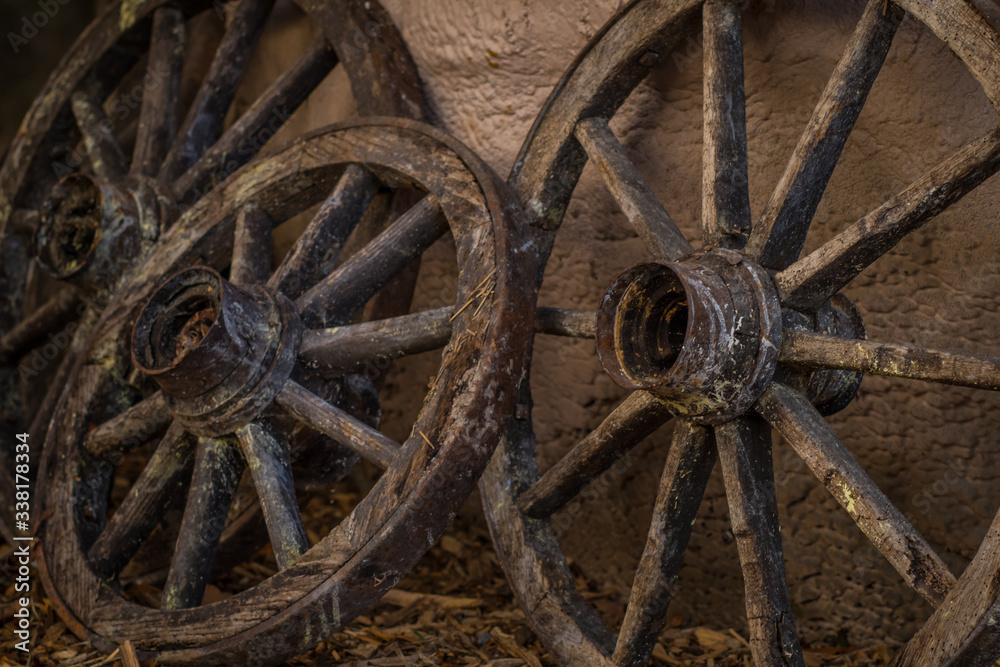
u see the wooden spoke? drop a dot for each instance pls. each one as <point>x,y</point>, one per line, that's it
<point>963,630</point>
<point>635,418</point>
<point>268,459</point>
<point>136,426</point>
<point>791,413</point>
<point>689,464</point>
<point>330,420</point>
<point>905,361</point>
<point>563,322</point>
<point>809,282</point>
<point>203,123</point>
<point>349,348</point>
<point>164,476</point>
<point>745,452</point>
<point>217,471</point>
<point>158,115</point>
<point>657,230</point>
<point>725,187</point>
<point>316,251</point>
<point>33,331</point>
<point>105,154</point>
<point>258,123</point>
<point>780,233</point>
<point>337,297</point>
<point>251,263</point>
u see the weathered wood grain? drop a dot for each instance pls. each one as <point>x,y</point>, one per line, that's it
<point>217,469</point>
<point>905,361</point>
<point>339,295</point>
<point>133,428</point>
<point>316,251</point>
<point>659,233</point>
<point>350,348</point>
<point>744,446</point>
<point>267,457</point>
<point>635,418</point>
<point>52,317</point>
<point>565,322</point>
<point>791,413</point>
<point>780,232</point>
<point>963,631</point>
<point>203,123</point>
<point>165,475</point>
<point>105,154</point>
<point>809,282</point>
<point>251,263</point>
<point>330,420</point>
<point>682,485</point>
<point>161,92</point>
<point>725,208</point>
<point>245,137</point>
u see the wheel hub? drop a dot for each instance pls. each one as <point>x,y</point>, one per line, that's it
<point>704,334</point>
<point>90,231</point>
<point>219,352</point>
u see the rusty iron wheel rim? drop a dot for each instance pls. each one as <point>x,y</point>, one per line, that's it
<point>324,588</point>
<point>803,312</point>
<point>139,201</point>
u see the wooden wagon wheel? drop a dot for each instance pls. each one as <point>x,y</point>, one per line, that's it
<point>735,338</point>
<point>71,197</point>
<point>234,360</point>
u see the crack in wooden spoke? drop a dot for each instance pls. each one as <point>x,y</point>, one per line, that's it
<point>791,413</point>
<point>780,232</point>
<point>51,317</point>
<point>650,220</point>
<point>165,475</point>
<point>339,295</point>
<point>217,470</point>
<point>105,154</point>
<point>637,417</point>
<point>350,348</point>
<point>725,187</point>
<point>963,631</point>
<point>251,264</point>
<point>203,123</point>
<point>145,420</point>
<point>158,115</point>
<point>682,485</point>
<point>744,446</point>
<point>316,251</point>
<point>906,361</point>
<point>268,460</point>
<point>330,420</point>
<point>809,282</point>
<point>564,322</point>
<point>269,112</point>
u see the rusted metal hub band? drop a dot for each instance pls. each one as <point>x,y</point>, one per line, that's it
<point>220,353</point>
<point>702,334</point>
<point>90,231</point>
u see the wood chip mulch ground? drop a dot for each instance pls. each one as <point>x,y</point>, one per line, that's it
<point>455,608</point>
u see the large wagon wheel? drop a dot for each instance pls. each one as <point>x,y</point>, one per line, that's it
<point>236,361</point>
<point>735,338</point>
<point>69,194</point>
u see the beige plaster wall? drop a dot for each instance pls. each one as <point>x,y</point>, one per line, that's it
<point>487,67</point>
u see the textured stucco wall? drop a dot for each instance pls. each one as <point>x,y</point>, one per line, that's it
<point>487,67</point>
